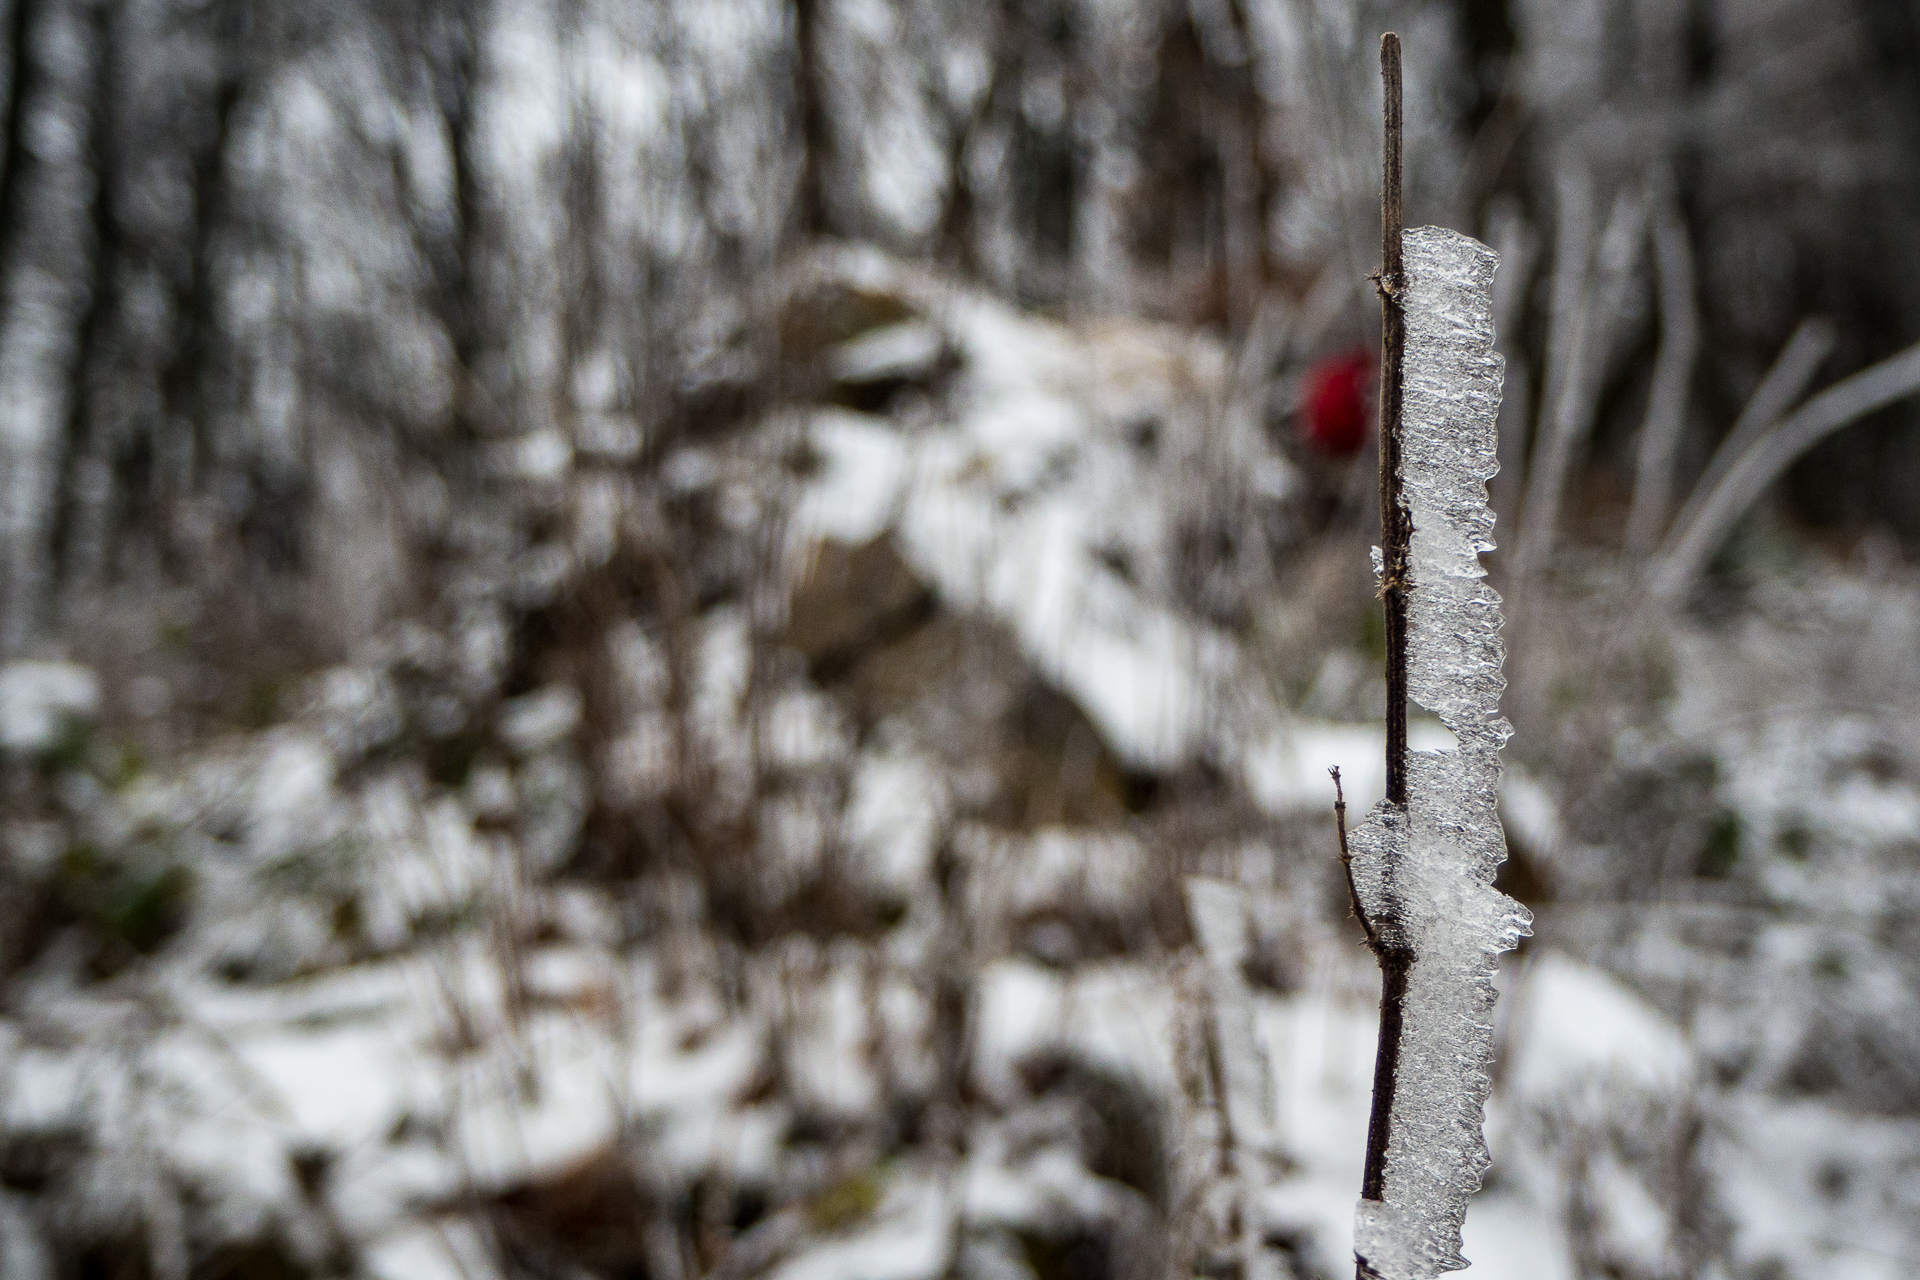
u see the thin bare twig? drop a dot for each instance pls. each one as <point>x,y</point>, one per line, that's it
<point>1785,382</point>
<point>1748,476</point>
<point>1672,374</point>
<point>1508,233</point>
<point>1574,378</point>
<point>1346,861</point>
<point>1570,287</point>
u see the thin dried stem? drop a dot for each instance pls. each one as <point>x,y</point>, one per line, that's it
<point>1396,527</point>
<point>1570,287</point>
<point>1749,475</point>
<point>1511,238</point>
<point>1574,377</point>
<point>1346,861</point>
<point>1785,382</point>
<point>1672,375</point>
<point>1396,536</point>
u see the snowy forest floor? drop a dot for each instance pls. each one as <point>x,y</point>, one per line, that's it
<point>894,841</point>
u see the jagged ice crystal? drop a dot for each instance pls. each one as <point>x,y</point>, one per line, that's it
<point>1429,872</point>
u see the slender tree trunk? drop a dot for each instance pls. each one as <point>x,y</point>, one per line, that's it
<point>186,391</point>
<point>810,109</point>
<point>77,493</point>
<point>462,286</point>
<point>22,78</point>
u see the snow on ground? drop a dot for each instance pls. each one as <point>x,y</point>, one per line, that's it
<point>1046,502</point>
<point>344,989</point>
<point>362,1062</point>
<point>38,700</point>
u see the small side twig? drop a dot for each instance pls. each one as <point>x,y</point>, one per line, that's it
<point>1346,861</point>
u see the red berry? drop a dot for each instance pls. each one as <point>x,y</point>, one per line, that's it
<point>1334,409</point>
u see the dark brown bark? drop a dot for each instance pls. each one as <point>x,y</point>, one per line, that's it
<point>1396,529</point>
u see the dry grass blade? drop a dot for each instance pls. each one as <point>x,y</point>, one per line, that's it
<point>1570,292</point>
<point>1586,309</point>
<point>1515,242</point>
<point>1785,382</point>
<point>1672,373</point>
<point>1763,461</point>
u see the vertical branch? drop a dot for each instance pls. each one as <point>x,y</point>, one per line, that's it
<point>21,74</point>
<point>1395,526</point>
<point>583,309</point>
<point>1422,864</point>
<point>956,231</point>
<point>1570,301</point>
<point>1574,397</point>
<point>1512,239</point>
<point>1396,532</point>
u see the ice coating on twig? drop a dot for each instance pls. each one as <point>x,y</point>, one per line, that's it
<point>1425,879</point>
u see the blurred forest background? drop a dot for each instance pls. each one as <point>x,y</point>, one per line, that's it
<point>702,638</point>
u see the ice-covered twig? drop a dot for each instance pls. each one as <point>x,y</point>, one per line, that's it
<point>1423,871</point>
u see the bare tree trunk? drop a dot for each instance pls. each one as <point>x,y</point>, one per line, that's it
<point>810,110</point>
<point>44,253</point>
<point>22,78</point>
<point>84,479</point>
<point>187,394</point>
<point>453,60</point>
